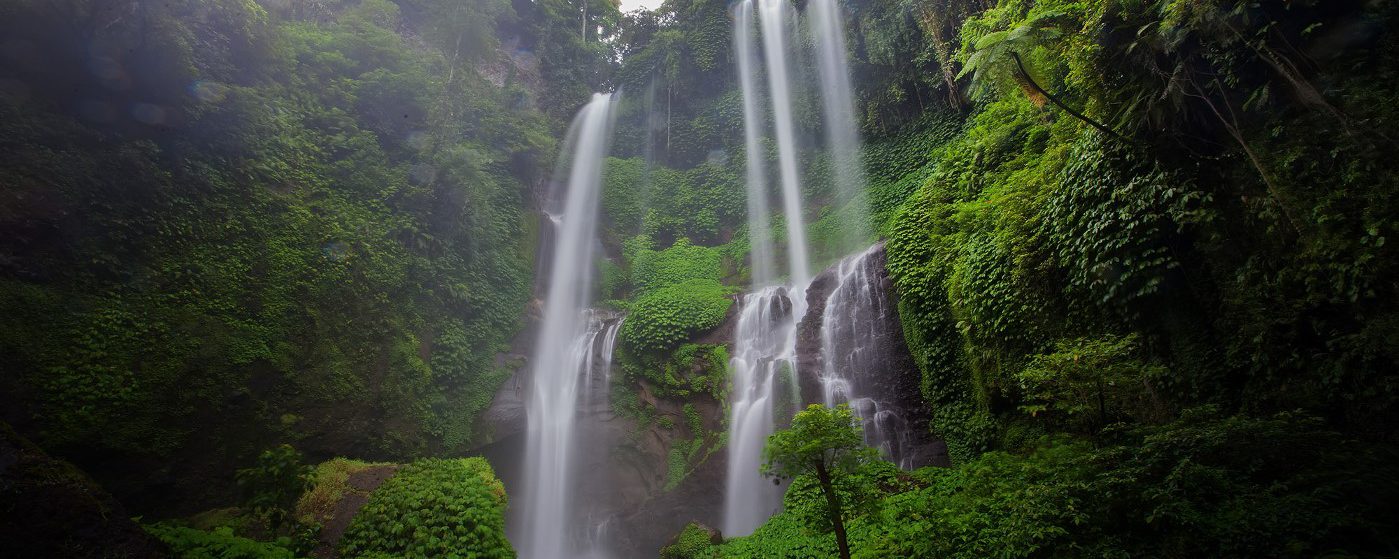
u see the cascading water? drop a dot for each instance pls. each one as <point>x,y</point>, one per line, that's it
<point>765,343</point>
<point>777,17</point>
<point>842,137</point>
<point>854,334</point>
<point>563,352</point>
<point>765,348</point>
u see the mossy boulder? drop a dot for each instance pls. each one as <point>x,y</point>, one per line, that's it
<point>50,508</point>
<point>692,543</point>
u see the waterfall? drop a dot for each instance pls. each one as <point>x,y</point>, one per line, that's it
<point>776,17</point>
<point>765,344</point>
<point>766,335</point>
<point>759,232</point>
<point>855,332</point>
<point>564,349</point>
<point>842,136</point>
<point>765,347</point>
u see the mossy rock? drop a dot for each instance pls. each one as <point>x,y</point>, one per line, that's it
<point>50,508</point>
<point>692,543</point>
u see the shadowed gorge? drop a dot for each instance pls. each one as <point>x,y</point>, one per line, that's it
<point>698,279</point>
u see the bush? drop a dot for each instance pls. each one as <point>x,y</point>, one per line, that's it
<point>433,508</point>
<point>682,262</point>
<point>691,543</point>
<point>189,543</point>
<point>1203,486</point>
<point>1093,382</point>
<point>661,320</point>
<point>273,485</point>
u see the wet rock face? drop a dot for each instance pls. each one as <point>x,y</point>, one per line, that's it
<point>872,366</point>
<point>660,514</point>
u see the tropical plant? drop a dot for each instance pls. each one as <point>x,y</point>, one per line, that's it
<point>826,443</point>
<point>433,508</point>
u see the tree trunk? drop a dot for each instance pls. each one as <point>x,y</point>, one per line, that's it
<point>1052,99</point>
<point>833,508</point>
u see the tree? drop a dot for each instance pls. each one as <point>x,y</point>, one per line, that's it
<point>823,442</point>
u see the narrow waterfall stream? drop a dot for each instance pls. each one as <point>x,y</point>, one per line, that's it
<point>777,17</point>
<point>564,351</point>
<point>759,227</point>
<point>764,352</point>
<point>827,30</point>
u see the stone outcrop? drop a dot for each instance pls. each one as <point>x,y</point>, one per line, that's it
<point>49,508</point>
<point>892,378</point>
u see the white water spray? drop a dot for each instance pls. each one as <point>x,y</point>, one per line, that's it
<point>765,349</point>
<point>842,135</point>
<point>777,17</point>
<point>563,351</point>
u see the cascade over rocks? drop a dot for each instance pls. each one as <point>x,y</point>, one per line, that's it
<point>891,378</point>
<point>638,514</point>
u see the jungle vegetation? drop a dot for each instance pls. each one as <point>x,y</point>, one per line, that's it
<point>1139,247</point>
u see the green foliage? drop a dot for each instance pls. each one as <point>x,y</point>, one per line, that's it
<point>1093,382</point>
<point>1204,485</point>
<point>682,262</point>
<point>272,486</point>
<point>330,483</point>
<point>860,490</point>
<point>781,537</point>
<point>1112,224</point>
<point>321,212</point>
<point>828,438</point>
<point>664,318</point>
<point>433,508</point>
<point>189,543</point>
<point>692,543</point>
<point>827,444</point>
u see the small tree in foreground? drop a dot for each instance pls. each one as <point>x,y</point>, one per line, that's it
<point>823,442</point>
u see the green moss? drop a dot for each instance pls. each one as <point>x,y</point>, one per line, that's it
<point>330,483</point>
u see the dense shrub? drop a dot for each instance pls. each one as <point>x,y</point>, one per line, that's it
<point>272,486</point>
<point>221,543</point>
<point>664,318</point>
<point>1204,486</point>
<point>692,543</point>
<point>681,262</point>
<point>433,508</point>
